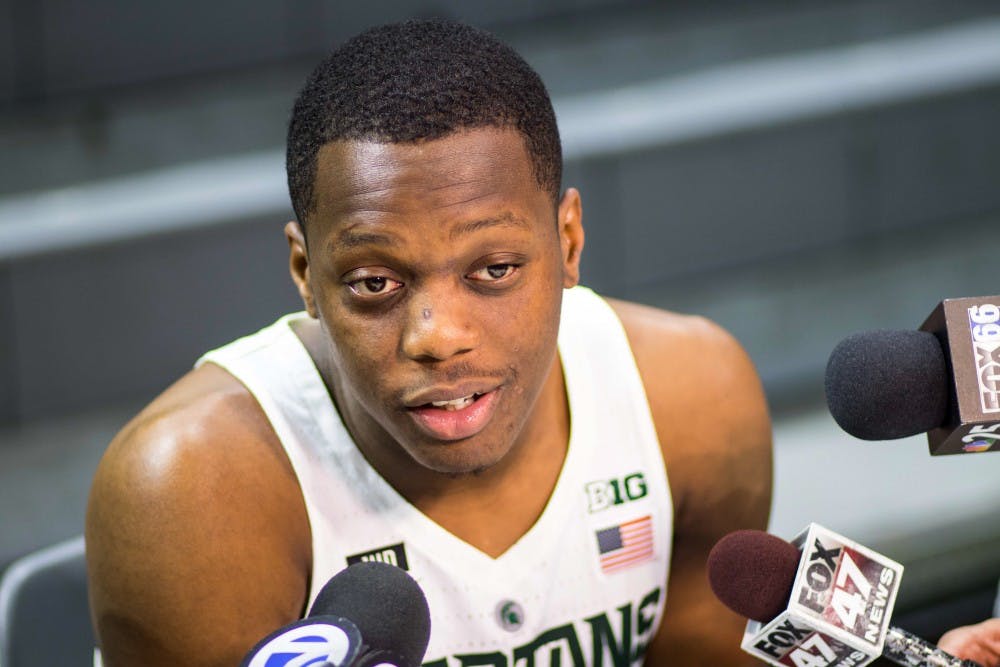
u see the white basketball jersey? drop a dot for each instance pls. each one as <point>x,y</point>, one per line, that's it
<point>585,585</point>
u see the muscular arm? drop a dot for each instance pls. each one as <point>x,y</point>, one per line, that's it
<point>714,428</point>
<point>197,540</point>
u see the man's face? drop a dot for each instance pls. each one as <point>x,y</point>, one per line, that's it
<point>436,271</point>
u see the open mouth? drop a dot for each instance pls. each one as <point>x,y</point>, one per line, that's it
<point>455,404</point>
<point>456,418</point>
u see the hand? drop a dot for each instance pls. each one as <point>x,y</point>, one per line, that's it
<point>980,642</point>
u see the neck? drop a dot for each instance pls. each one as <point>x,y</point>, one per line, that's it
<point>494,508</point>
<point>491,508</point>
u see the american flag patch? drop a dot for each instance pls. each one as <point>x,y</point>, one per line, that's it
<point>626,544</point>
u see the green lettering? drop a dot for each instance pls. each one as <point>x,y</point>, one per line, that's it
<point>565,633</point>
<point>563,640</point>
<point>643,622</point>
<point>618,492</point>
<point>495,659</point>
<point>635,486</point>
<point>604,638</point>
<point>639,651</point>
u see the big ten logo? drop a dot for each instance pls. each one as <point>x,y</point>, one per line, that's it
<point>848,589</point>
<point>607,493</point>
<point>984,320</point>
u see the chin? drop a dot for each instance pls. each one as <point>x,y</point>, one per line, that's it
<point>460,459</point>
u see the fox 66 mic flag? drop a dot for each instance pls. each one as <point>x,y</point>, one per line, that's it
<point>309,641</point>
<point>839,610</point>
<point>969,330</point>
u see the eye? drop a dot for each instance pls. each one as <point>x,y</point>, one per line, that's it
<point>374,286</point>
<point>494,272</point>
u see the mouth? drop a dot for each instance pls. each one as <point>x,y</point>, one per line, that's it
<point>456,418</point>
<point>456,404</point>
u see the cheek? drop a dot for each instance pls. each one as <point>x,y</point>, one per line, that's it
<point>529,330</point>
<point>361,351</point>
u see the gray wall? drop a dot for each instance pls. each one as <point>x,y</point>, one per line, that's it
<point>111,324</point>
<point>100,92</point>
<point>54,47</point>
<point>99,324</point>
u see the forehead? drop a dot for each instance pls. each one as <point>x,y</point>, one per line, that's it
<point>482,167</point>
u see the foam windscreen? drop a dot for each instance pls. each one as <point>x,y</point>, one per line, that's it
<point>886,384</point>
<point>752,573</point>
<point>386,605</point>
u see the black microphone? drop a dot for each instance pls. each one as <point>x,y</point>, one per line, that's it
<point>943,379</point>
<point>821,601</point>
<point>366,615</point>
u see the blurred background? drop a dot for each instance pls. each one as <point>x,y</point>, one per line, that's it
<point>797,171</point>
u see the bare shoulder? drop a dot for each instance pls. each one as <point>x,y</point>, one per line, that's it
<point>195,520</point>
<point>712,421</point>
<point>707,402</point>
<point>686,347</point>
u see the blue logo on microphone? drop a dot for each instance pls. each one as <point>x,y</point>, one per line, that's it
<point>320,640</point>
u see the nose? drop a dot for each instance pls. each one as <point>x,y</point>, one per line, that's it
<point>437,329</point>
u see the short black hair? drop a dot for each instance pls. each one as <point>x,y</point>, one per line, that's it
<point>419,80</point>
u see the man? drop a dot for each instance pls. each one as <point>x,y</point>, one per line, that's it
<point>551,467</point>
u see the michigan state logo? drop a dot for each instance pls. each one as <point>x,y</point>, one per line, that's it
<point>613,638</point>
<point>510,615</point>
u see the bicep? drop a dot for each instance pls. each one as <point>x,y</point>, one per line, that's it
<point>713,424</point>
<point>697,629</point>
<point>188,561</point>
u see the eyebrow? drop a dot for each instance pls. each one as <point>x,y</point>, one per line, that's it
<point>506,219</point>
<point>352,238</point>
<point>355,238</point>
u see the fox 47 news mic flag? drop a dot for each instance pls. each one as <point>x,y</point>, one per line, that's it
<point>969,331</point>
<point>839,610</point>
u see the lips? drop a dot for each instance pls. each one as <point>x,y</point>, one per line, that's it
<point>445,418</point>
<point>456,404</point>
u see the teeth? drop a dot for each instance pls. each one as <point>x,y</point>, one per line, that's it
<point>456,404</point>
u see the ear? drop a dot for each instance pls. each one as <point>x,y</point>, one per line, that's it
<point>570,219</point>
<point>298,265</point>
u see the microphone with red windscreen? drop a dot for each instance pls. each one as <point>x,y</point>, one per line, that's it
<point>820,601</point>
